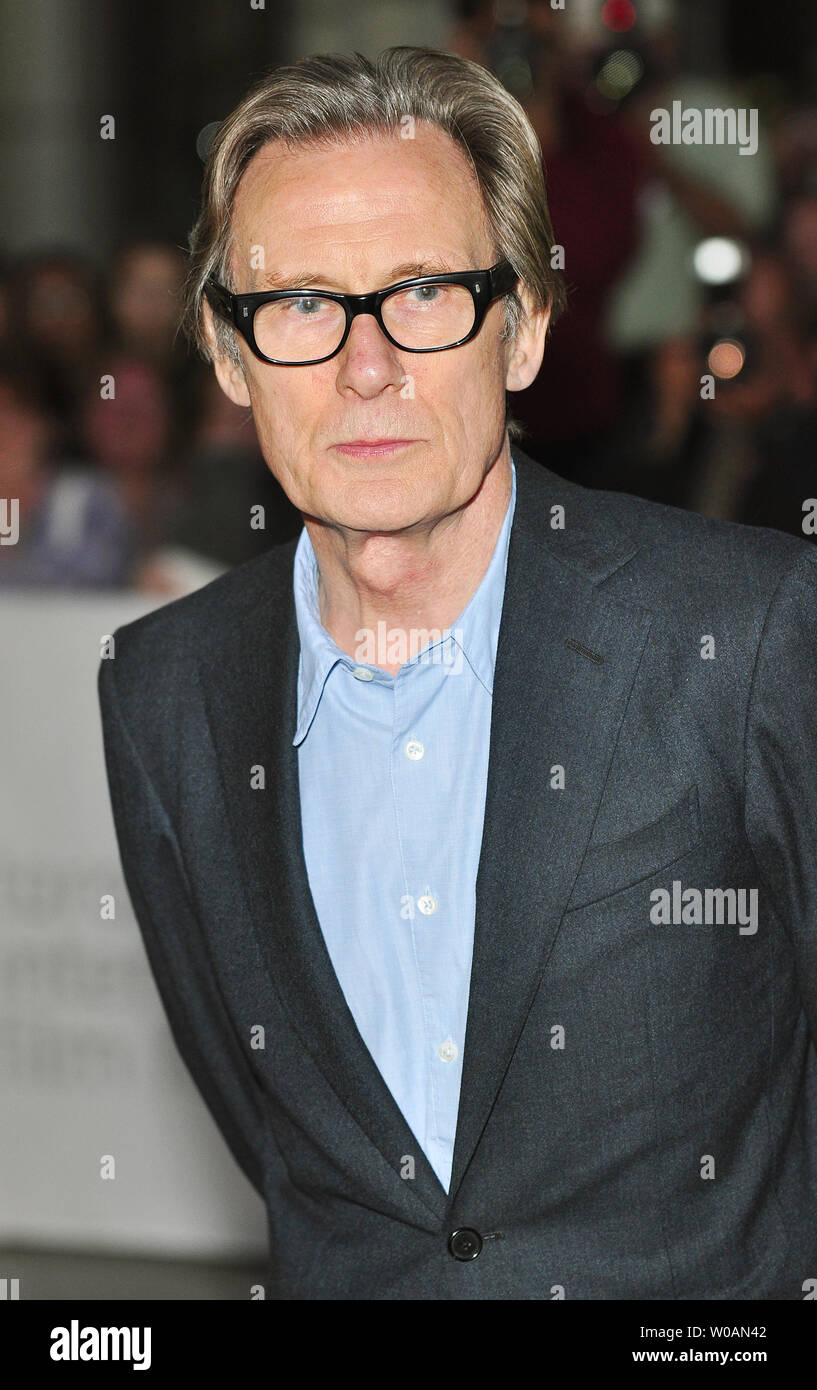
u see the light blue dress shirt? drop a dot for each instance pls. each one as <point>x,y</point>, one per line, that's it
<point>392,774</point>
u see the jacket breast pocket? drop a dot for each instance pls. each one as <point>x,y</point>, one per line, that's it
<point>609,867</point>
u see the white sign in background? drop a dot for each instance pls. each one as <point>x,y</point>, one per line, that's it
<point>88,1066</point>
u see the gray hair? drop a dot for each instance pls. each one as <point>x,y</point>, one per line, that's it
<point>341,97</point>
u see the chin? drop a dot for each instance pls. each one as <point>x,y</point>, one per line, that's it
<point>383,520</point>
<point>393,500</point>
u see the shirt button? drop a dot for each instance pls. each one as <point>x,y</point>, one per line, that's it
<point>465,1244</point>
<point>414,749</point>
<point>427,904</point>
<point>447,1051</point>
<point>362,673</point>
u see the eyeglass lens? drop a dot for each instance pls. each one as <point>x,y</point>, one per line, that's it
<point>309,327</point>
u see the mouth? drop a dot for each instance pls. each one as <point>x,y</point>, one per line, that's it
<point>366,448</point>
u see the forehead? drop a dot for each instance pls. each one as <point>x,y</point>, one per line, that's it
<point>355,202</point>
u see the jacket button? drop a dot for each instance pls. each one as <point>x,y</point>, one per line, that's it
<point>465,1244</point>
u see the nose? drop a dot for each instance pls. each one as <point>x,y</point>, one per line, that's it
<point>368,362</point>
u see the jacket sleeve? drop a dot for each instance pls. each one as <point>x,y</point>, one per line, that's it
<point>157,884</point>
<point>780,794</point>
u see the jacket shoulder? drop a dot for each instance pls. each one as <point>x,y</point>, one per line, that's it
<point>167,640</point>
<point>681,553</point>
<point>663,558</point>
<point>704,535</point>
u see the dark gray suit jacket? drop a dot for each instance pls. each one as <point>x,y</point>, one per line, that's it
<point>664,1145</point>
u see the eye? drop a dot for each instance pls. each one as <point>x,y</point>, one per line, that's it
<point>426,294</point>
<point>308,306</point>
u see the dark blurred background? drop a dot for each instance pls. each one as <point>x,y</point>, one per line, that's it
<point>683,261</point>
<point>684,370</point>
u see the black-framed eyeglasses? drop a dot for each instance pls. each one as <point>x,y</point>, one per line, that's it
<point>299,328</point>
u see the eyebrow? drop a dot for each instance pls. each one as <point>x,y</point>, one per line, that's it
<point>307,279</point>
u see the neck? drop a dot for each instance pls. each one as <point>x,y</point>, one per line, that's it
<point>416,582</point>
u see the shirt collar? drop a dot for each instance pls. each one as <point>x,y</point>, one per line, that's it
<point>475,632</point>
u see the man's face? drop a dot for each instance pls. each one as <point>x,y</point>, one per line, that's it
<point>355,218</point>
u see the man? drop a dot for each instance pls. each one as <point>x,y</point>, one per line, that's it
<point>472,835</point>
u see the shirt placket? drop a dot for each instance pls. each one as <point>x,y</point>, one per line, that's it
<point>432,921</point>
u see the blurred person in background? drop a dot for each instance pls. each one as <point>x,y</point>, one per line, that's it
<point>794,139</point>
<point>594,174</point>
<point>129,436</point>
<point>663,427</point>
<point>799,243</point>
<point>58,311</point>
<point>144,284</point>
<point>225,479</point>
<point>690,192</point>
<point>230,506</point>
<point>744,449</point>
<point>73,530</point>
<point>774,399</point>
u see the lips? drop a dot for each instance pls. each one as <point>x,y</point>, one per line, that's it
<point>373,446</point>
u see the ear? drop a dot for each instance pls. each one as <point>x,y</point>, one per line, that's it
<point>527,349</point>
<point>230,378</point>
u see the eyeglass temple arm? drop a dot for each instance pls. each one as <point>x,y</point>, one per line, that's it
<point>503,279</point>
<point>220,299</point>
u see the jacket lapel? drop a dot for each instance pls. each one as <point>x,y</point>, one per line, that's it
<point>554,704</point>
<point>250,686</point>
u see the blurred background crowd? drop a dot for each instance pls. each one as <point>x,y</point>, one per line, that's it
<point>684,370</point>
